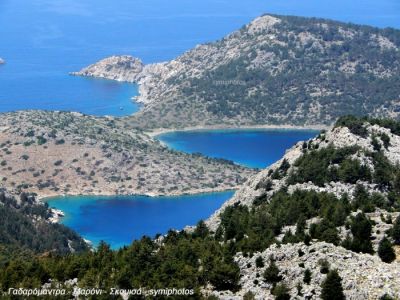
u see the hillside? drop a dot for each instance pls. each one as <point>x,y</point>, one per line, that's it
<point>321,191</point>
<point>54,153</point>
<point>275,70</point>
<point>27,228</point>
<point>322,219</point>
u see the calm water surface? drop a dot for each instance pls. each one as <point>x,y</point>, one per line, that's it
<point>252,148</point>
<point>119,220</point>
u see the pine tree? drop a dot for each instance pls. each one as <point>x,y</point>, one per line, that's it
<point>307,276</point>
<point>271,273</point>
<point>201,230</point>
<point>385,251</point>
<point>396,231</point>
<point>259,262</point>
<point>281,292</point>
<point>361,229</point>
<point>332,287</point>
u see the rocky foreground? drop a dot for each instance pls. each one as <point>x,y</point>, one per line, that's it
<point>55,153</point>
<point>364,276</point>
<point>275,70</point>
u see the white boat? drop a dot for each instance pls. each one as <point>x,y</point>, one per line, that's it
<point>2,61</point>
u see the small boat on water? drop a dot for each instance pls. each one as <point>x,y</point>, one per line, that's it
<point>121,108</point>
<point>2,61</point>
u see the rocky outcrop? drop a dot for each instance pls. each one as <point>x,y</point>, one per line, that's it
<point>275,70</point>
<point>363,276</point>
<point>120,68</point>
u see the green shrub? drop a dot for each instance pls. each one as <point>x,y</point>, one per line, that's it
<point>385,251</point>
<point>332,287</point>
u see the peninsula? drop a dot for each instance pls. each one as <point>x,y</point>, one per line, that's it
<point>277,70</point>
<point>56,153</point>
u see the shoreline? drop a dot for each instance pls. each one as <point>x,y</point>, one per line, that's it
<point>159,131</point>
<point>44,198</point>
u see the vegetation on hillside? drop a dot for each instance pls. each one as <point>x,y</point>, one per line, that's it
<point>297,71</point>
<point>25,230</point>
<point>199,258</point>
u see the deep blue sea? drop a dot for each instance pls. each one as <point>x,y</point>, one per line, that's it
<point>119,220</point>
<point>43,40</point>
<point>253,148</point>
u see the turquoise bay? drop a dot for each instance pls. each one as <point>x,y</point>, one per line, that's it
<point>255,148</point>
<point>119,220</point>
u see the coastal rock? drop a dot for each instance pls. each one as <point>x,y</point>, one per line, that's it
<point>120,68</point>
<point>56,215</point>
<point>364,276</point>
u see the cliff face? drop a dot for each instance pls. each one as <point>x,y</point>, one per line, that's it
<point>354,163</point>
<point>275,70</point>
<point>54,153</point>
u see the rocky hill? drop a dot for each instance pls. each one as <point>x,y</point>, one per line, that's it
<point>55,153</point>
<point>312,200</point>
<point>275,70</point>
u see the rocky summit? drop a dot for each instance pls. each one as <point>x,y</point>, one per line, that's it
<point>275,70</point>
